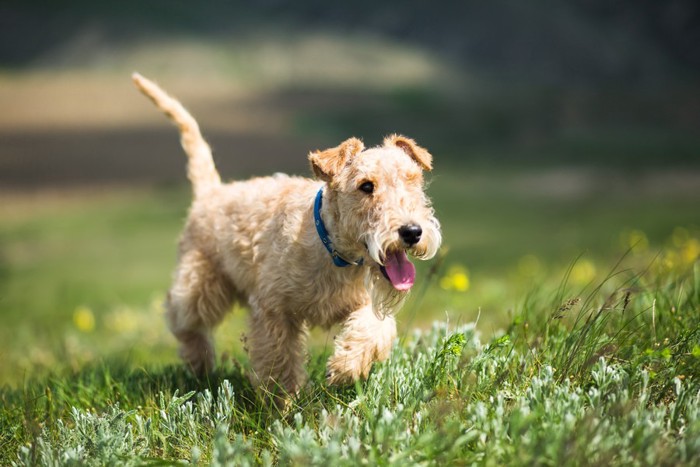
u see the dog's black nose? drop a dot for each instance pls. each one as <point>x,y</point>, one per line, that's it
<point>410,233</point>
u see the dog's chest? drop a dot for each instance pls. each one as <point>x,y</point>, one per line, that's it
<point>331,301</point>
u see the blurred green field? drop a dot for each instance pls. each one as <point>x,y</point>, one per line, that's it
<point>82,275</point>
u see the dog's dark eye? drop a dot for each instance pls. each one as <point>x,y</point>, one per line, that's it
<point>367,187</point>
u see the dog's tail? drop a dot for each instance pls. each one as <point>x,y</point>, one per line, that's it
<point>200,168</point>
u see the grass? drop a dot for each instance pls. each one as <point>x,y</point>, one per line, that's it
<point>604,375</point>
<point>565,363</point>
<point>104,260</point>
<point>107,258</point>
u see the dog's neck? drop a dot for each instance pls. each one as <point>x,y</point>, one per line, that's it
<point>338,259</point>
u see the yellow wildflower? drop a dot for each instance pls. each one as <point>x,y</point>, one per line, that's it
<point>690,250</point>
<point>457,278</point>
<point>583,272</point>
<point>83,319</point>
<point>635,240</point>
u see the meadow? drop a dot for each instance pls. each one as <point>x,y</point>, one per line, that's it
<point>103,259</point>
<point>552,329</point>
<point>558,325</point>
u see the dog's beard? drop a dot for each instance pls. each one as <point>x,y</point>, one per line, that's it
<point>430,242</point>
<point>386,300</point>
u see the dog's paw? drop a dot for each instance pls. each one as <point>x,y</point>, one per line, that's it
<point>343,370</point>
<point>338,379</point>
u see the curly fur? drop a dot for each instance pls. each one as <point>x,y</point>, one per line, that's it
<point>255,242</point>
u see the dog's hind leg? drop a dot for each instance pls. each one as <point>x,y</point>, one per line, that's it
<point>277,348</point>
<point>198,300</point>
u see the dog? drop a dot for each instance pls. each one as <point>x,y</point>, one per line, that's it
<point>299,253</point>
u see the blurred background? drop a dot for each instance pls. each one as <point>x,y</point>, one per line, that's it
<point>565,133</point>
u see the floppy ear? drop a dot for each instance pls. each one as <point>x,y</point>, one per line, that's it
<point>326,164</point>
<point>407,145</point>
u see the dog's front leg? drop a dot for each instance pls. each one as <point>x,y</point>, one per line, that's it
<point>364,340</point>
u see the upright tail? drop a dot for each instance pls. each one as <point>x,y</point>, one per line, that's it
<point>200,168</point>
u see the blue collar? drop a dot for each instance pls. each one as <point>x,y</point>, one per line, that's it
<point>338,260</point>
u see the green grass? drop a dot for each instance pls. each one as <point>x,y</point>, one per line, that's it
<point>570,357</point>
<point>109,254</point>
<point>604,375</point>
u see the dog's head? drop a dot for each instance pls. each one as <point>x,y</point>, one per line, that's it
<point>377,206</point>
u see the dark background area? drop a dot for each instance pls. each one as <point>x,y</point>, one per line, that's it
<point>576,83</point>
<point>583,42</point>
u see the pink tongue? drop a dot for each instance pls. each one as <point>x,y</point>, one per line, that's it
<point>400,270</point>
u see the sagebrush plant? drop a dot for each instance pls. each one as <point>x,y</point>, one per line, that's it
<point>608,374</point>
